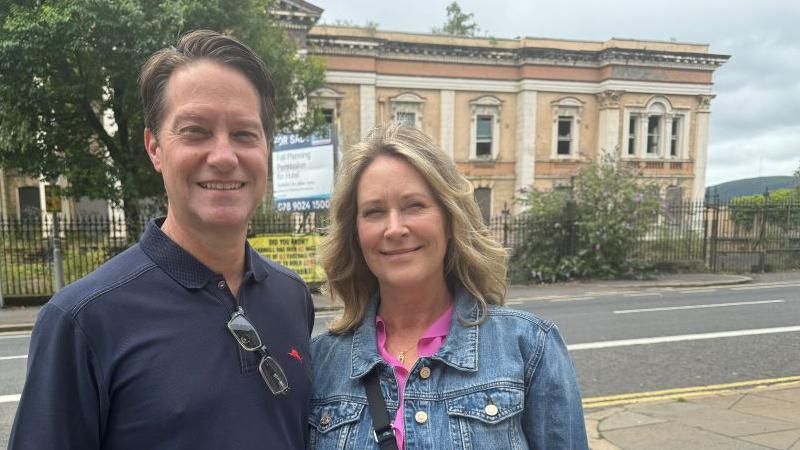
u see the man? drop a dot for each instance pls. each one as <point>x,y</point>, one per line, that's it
<point>159,348</point>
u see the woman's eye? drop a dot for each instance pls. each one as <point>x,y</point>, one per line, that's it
<point>372,212</point>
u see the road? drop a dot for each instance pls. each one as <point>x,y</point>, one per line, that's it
<point>622,341</point>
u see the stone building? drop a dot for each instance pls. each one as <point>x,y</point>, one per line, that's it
<point>526,112</point>
<point>512,113</point>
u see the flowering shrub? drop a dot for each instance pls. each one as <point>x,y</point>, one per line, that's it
<point>590,232</point>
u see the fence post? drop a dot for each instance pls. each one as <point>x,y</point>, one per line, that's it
<point>2,303</point>
<point>714,232</point>
<point>706,209</point>
<point>505,213</point>
<point>2,258</point>
<point>761,244</point>
<point>58,263</point>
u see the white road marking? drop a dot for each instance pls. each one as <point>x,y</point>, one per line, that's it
<point>528,299</point>
<point>696,291</point>
<point>713,305</point>
<point>608,292</point>
<point>10,398</point>
<point>15,335</point>
<point>327,315</point>
<point>7,358</point>
<point>680,338</point>
<point>571,299</point>
<point>645,294</point>
<point>764,286</point>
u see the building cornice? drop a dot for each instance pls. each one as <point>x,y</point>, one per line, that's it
<point>502,86</point>
<point>372,43</point>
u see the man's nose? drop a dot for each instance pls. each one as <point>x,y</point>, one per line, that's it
<point>222,155</point>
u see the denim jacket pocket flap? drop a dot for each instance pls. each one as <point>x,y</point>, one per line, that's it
<point>329,416</point>
<point>491,405</point>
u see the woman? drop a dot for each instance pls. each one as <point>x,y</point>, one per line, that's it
<point>422,285</point>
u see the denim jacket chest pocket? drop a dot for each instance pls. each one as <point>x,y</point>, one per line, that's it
<point>334,424</point>
<point>487,418</point>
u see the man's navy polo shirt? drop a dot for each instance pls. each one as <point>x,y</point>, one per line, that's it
<point>137,355</point>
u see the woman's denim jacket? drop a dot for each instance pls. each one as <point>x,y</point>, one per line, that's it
<point>507,383</point>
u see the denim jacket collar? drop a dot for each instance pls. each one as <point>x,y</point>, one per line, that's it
<point>459,351</point>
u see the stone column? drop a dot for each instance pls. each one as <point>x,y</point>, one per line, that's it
<point>666,136</point>
<point>446,127</point>
<point>608,129</point>
<point>526,139</point>
<point>367,105</point>
<point>701,146</point>
<point>641,146</point>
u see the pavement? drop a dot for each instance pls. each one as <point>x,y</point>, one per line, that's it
<point>755,418</point>
<point>742,416</point>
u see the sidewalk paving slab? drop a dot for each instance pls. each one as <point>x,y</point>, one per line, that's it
<point>780,440</point>
<point>764,417</point>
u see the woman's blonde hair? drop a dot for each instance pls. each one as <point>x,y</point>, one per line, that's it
<point>473,258</point>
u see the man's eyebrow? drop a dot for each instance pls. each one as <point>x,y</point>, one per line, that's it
<point>188,115</point>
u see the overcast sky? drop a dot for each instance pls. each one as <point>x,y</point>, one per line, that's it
<point>755,120</point>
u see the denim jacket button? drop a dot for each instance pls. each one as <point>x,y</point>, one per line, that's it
<point>425,373</point>
<point>491,410</point>
<point>325,421</point>
<point>421,417</point>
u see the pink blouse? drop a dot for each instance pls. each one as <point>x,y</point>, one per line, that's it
<point>430,343</point>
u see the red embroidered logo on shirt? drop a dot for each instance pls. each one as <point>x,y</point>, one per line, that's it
<point>295,354</point>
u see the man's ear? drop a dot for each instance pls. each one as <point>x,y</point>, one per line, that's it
<point>152,148</point>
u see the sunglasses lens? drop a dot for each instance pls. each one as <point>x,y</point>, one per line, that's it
<point>245,333</point>
<point>273,375</point>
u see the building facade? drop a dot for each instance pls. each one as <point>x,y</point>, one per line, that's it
<point>513,113</point>
<point>527,112</point>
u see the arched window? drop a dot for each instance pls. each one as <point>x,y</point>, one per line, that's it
<point>656,130</point>
<point>407,108</point>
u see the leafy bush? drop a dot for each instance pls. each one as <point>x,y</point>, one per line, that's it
<point>591,233</point>
<point>781,208</point>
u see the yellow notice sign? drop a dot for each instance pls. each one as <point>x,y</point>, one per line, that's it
<point>297,252</point>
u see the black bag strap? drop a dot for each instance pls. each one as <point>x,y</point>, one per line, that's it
<point>383,431</point>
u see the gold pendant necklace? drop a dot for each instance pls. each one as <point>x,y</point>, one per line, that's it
<point>402,355</point>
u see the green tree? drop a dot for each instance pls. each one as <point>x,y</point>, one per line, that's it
<point>68,84</point>
<point>458,22</point>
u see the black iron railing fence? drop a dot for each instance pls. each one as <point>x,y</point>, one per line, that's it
<point>38,256</point>
<point>712,235</point>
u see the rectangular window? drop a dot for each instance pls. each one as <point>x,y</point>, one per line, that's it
<point>633,126</point>
<point>327,114</point>
<point>483,197</point>
<point>564,135</point>
<point>673,141</point>
<point>483,136</point>
<point>29,202</point>
<point>653,130</point>
<point>406,118</point>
